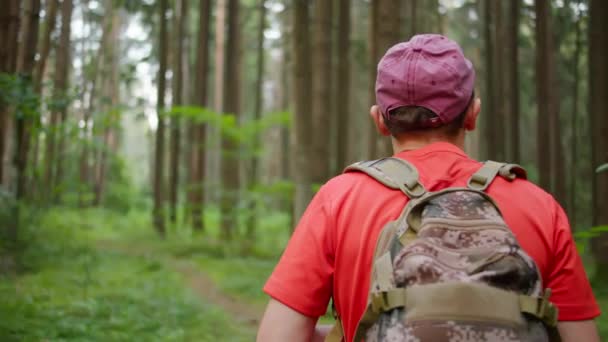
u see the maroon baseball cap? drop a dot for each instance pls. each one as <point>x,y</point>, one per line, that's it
<point>428,71</point>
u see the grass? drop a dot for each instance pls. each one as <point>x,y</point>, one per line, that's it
<point>72,291</point>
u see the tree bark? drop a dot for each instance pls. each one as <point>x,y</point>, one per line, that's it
<point>598,84</point>
<point>302,122</point>
<point>27,54</point>
<point>181,8</point>
<point>321,90</point>
<point>258,108</point>
<point>110,91</point>
<point>574,158</point>
<point>384,29</point>
<point>499,114</point>
<point>8,59</point>
<point>213,180</point>
<point>489,120</point>
<point>158,211</point>
<point>342,85</point>
<point>551,168</point>
<point>92,82</point>
<point>198,130</point>
<point>62,69</point>
<point>45,43</point>
<point>512,78</point>
<point>231,105</point>
<point>44,49</point>
<point>543,92</point>
<point>373,60</point>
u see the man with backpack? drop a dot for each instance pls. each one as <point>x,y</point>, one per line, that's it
<point>430,245</point>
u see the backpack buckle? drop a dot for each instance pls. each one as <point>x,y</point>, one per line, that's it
<point>547,311</point>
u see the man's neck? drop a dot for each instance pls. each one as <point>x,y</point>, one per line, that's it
<point>414,141</point>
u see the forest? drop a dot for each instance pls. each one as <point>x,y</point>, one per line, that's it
<point>156,155</point>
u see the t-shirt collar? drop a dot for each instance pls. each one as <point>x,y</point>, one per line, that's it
<point>440,146</point>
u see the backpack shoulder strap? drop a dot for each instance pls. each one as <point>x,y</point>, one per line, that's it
<point>482,179</point>
<point>394,173</point>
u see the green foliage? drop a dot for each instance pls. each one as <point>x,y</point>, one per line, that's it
<point>244,133</point>
<point>121,195</point>
<point>583,238</point>
<point>7,207</point>
<point>242,277</point>
<point>602,168</point>
<point>17,92</point>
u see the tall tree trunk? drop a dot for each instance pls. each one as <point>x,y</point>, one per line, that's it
<point>181,8</point>
<point>543,92</point>
<point>110,91</point>
<point>25,66</point>
<point>258,108</point>
<point>158,211</point>
<point>213,179</point>
<point>8,59</point>
<point>91,84</point>
<point>490,122</point>
<point>45,43</point>
<point>231,104</point>
<point>44,49</point>
<point>62,68</point>
<point>574,118</point>
<point>342,84</point>
<point>287,139</point>
<point>512,78</point>
<point>321,89</point>
<point>302,106</point>
<point>373,59</point>
<point>551,168</point>
<point>499,35</point>
<point>198,130</point>
<point>384,32</point>
<point>598,84</point>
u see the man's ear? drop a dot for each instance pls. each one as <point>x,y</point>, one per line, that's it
<point>470,120</point>
<point>378,120</point>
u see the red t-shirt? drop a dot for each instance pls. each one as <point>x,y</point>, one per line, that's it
<point>332,247</point>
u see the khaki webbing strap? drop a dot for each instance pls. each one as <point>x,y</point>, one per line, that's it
<point>484,176</point>
<point>540,307</point>
<point>407,237</point>
<point>336,333</point>
<point>394,173</point>
<point>482,179</point>
<point>383,273</point>
<point>457,300</point>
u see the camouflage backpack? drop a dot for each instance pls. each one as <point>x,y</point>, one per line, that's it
<point>449,269</point>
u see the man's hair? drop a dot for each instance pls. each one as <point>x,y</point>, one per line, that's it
<point>415,118</point>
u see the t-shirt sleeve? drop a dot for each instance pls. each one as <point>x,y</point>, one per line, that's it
<point>571,291</point>
<point>303,277</point>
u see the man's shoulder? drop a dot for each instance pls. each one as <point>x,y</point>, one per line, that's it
<point>348,184</point>
<point>346,181</point>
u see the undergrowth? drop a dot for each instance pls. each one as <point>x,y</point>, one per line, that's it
<point>69,290</point>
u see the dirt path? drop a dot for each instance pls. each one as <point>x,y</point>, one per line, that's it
<point>199,282</point>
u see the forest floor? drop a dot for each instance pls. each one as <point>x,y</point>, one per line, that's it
<point>94,275</point>
<point>199,282</point>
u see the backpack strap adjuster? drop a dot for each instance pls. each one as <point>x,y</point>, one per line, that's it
<point>482,179</point>
<point>540,307</point>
